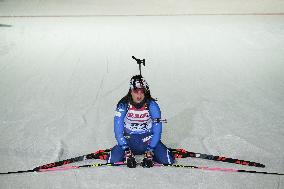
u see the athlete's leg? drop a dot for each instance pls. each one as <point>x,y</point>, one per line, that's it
<point>163,155</point>
<point>138,143</point>
<point>116,155</point>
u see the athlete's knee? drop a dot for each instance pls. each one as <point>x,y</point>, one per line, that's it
<point>115,155</point>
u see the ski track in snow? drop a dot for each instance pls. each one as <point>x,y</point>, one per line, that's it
<point>60,151</point>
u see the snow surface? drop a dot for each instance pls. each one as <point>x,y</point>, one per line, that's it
<point>219,81</point>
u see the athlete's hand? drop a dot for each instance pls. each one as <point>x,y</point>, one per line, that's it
<point>148,159</point>
<point>129,158</point>
<point>128,153</point>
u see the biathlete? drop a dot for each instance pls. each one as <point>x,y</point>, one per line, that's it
<point>138,128</point>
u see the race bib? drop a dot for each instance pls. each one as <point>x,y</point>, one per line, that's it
<point>137,121</point>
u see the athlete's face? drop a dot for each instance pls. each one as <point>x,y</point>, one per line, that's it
<point>138,95</point>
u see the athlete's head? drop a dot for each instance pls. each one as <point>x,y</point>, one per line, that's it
<point>138,88</point>
<point>139,91</point>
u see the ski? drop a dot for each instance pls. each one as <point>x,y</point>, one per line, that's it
<point>163,165</point>
<point>178,153</point>
<point>100,154</point>
<point>182,153</point>
<point>156,165</point>
<point>216,169</point>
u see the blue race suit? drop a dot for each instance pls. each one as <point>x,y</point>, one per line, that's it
<point>136,129</point>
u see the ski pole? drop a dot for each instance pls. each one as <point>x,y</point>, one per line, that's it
<point>217,169</point>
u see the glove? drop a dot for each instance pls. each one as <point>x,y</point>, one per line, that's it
<point>129,158</point>
<point>147,162</point>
